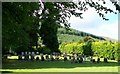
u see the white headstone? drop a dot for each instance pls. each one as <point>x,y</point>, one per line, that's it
<point>33,53</point>
<point>75,56</point>
<point>29,52</point>
<point>25,52</point>
<point>51,55</point>
<point>37,53</point>
<point>22,53</point>
<point>65,55</point>
<point>84,58</point>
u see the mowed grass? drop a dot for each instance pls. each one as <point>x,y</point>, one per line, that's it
<point>13,65</point>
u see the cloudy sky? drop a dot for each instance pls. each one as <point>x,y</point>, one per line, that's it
<point>92,23</point>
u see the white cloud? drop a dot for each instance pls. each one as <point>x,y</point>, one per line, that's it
<point>94,24</point>
<point>107,30</point>
<point>97,27</point>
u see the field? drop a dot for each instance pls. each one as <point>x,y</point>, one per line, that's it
<point>13,65</point>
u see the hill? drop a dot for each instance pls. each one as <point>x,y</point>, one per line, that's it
<point>73,35</point>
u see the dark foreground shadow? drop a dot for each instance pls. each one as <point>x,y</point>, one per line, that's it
<point>6,71</point>
<point>16,64</point>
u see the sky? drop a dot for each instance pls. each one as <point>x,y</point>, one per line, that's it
<point>93,24</point>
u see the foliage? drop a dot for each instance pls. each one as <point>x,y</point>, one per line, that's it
<point>18,27</point>
<point>106,49</point>
<point>46,50</point>
<point>87,47</point>
<point>71,48</point>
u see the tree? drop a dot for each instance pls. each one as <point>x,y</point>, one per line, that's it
<point>87,48</point>
<point>18,25</point>
<point>48,31</point>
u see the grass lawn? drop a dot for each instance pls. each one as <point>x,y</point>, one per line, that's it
<point>13,65</point>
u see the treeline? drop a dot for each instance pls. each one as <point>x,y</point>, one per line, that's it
<point>106,49</point>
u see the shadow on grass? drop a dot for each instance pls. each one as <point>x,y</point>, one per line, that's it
<point>6,71</point>
<point>16,64</point>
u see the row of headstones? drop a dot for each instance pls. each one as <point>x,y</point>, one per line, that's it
<point>82,59</point>
<point>74,58</point>
<point>31,56</point>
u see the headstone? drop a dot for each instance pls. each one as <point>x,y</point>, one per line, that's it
<point>70,57</point>
<point>84,59</point>
<point>65,57</point>
<point>26,56</point>
<point>19,57</point>
<point>73,58</point>
<point>32,55</point>
<point>22,53</point>
<point>93,60</point>
<point>98,60</point>
<point>37,56</point>
<point>90,59</point>
<point>25,52</point>
<point>75,55</point>
<point>42,57</point>
<point>57,56</point>
<point>76,59</point>
<point>105,60</point>
<point>80,60</point>
<point>47,57</point>
<point>29,53</point>
<point>51,57</point>
<point>37,53</point>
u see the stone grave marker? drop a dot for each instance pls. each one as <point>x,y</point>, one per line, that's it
<point>98,60</point>
<point>32,55</point>
<point>93,60</point>
<point>105,60</point>
<point>26,56</point>
<point>37,56</point>
<point>80,59</point>
<point>42,57</point>
<point>47,57</point>
<point>51,57</point>
<point>19,57</point>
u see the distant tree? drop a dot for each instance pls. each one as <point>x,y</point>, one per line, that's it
<point>87,48</point>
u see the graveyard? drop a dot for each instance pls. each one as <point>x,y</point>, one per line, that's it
<point>50,37</point>
<point>59,63</point>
